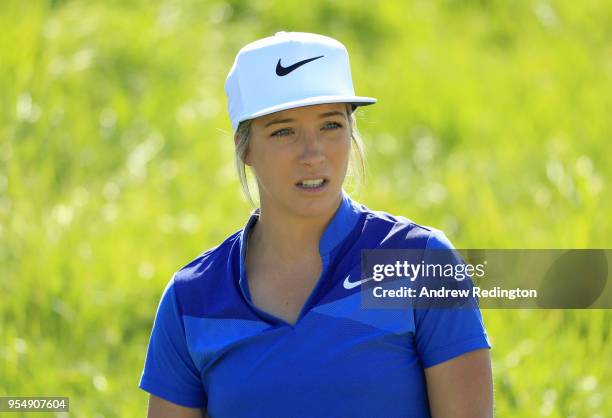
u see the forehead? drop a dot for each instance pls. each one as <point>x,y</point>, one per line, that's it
<point>304,112</point>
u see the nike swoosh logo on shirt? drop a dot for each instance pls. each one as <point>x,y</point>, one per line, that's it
<point>348,285</point>
<point>281,71</point>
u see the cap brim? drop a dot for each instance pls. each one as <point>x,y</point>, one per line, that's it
<point>355,100</point>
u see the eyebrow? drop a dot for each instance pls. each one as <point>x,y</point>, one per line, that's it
<point>321,116</point>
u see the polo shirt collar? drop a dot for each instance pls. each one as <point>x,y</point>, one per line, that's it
<point>342,223</point>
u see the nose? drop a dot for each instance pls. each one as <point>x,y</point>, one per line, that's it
<point>312,148</point>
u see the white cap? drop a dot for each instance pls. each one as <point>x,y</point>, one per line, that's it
<point>288,70</point>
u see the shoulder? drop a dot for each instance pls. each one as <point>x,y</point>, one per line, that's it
<point>211,258</point>
<point>401,232</point>
<point>206,274</point>
<point>206,287</point>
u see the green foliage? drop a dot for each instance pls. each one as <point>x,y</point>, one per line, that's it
<point>116,168</point>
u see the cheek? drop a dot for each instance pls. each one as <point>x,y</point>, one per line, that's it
<point>340,151</point>
<point>269,162</point>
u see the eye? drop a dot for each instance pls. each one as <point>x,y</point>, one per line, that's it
<point>282,132</point>
<point>332,126</point>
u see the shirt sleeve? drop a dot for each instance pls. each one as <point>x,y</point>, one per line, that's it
<point>169,371</point>
<point>444,333</point>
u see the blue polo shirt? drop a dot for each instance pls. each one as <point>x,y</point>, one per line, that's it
<point>211,348</point>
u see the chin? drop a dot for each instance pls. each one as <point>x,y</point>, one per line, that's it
<point>325,205</point>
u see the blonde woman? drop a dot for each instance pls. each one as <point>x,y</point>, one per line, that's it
<point>269,322</point>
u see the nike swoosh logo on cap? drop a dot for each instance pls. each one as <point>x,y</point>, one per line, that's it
<point>282,71</point>
<point>348,285</point>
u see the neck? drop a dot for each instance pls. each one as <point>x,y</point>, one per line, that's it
<point>287,237</point>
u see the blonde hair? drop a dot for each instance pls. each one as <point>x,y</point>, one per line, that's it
<point>356,170</point>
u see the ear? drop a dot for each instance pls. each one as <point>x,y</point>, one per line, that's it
<point>247,159</point>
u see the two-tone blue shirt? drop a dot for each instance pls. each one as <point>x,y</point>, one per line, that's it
<point>212,348</point>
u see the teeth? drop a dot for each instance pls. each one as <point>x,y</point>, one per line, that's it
<point>312,183</point>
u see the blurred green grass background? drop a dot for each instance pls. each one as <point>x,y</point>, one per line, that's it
<point>116,169</point>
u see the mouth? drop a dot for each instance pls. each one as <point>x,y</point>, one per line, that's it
<point>313,184</point>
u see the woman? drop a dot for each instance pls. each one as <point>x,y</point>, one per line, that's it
<point>269,323</point>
